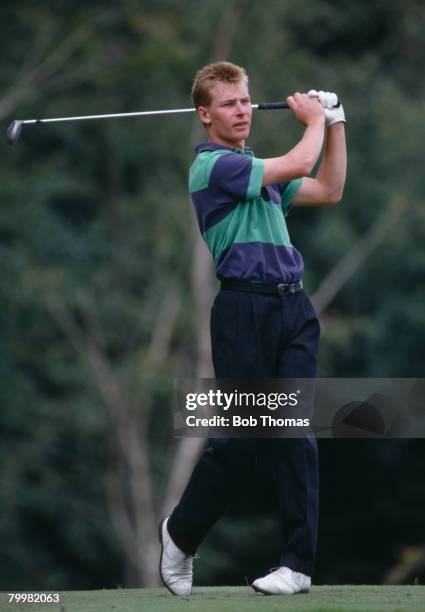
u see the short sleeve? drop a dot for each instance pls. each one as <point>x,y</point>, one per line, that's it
<point>288,192</point>
<point>239,177</point>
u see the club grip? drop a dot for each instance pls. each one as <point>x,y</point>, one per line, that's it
<point>272,105</point>
<point>277,105</point>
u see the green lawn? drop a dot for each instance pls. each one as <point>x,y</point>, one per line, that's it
<point>235,599</point>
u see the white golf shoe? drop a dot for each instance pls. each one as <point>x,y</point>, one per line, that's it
<point>282,581</point>
<point>175,566</point>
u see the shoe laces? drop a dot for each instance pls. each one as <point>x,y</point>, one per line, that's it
<point>282,570</point>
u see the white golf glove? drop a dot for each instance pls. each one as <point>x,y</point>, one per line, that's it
<point>328,100</point>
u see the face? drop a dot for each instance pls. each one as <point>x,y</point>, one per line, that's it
<point>228,117</point>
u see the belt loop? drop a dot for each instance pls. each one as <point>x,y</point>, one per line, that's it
<point>281,289</point>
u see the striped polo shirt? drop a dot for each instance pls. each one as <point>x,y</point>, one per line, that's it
<point>242,222</point>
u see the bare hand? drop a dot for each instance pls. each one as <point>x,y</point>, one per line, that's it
<point>305,108</point>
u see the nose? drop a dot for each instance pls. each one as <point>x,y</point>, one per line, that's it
<point>240,109</point>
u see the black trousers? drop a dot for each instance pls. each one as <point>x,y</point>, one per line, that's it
<point>256,335</point>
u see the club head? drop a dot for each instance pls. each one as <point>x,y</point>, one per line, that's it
<point>13,132</point>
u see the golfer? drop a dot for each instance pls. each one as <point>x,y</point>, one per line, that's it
<point>262,322</point>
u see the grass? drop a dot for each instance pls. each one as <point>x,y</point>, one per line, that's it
<point>234,599</point>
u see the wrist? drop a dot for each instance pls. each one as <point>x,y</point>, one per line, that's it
<point>317,121</point>
<point>340,123</point>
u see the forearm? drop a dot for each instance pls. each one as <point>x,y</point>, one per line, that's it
<point>300,160</point>
<point>333,167</point>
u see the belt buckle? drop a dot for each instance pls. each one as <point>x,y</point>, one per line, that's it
<point>292,288</point>
<point>281,288</point>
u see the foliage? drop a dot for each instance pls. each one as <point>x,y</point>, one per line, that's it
<point>95,225</point>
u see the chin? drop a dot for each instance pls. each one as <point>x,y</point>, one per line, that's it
<point>241,135</point>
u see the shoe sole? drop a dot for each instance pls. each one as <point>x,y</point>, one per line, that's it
<point>257,590</point>
<point>160,559</point>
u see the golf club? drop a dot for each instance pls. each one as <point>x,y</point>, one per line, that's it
<point>14,130</point>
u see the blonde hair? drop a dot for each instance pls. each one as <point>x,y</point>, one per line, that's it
<point>208,76</point>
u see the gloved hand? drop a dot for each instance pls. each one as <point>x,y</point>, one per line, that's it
<point>328,100</point>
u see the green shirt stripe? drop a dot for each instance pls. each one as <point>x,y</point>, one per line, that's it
<point>289,194</point>
<point>248,223</point>
<point>256,179</point>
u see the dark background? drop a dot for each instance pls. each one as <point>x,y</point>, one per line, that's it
<point>102,277</point>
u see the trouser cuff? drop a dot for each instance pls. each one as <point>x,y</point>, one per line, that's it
<point>179,538</point>
<point>296,565</point>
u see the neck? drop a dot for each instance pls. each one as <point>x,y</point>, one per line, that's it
<point>240,144</point>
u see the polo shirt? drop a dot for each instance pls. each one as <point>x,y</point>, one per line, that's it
<point>242,222</point>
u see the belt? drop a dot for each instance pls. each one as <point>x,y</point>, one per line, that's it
<point>267,288</point>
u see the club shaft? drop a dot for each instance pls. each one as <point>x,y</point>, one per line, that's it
<point>109,116</point>
<point>266,106</point>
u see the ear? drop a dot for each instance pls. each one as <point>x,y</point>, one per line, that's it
<point>204,115</point>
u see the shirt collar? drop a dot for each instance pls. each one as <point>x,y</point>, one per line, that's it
<point>213,146</point>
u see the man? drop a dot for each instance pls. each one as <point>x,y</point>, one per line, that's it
<point>262,322</point>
